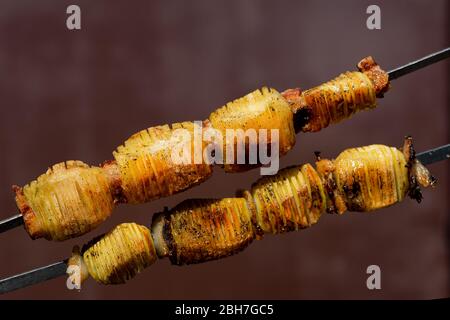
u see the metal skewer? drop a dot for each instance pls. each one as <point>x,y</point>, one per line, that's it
<point>17,220</point>
<point>419,64</point>
<point>34,276</point>
<point>11,223</point>
<point>434,155</point>
<point>59,269</point>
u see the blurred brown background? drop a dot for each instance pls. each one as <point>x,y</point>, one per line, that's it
<point>79,94</point>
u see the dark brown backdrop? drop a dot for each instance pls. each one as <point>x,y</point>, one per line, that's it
<point>135,64</point>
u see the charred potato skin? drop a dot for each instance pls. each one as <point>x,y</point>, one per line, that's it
<point>202,230</point>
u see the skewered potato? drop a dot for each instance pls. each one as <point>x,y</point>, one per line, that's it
<point>195,231</point>
<point>379,177</point>
<point>340,98</point>
<point>147,169</point>
<point>293,199</point>
<point>261,109</point>
<point>203,230</point>
<point>71,198</point>
<point>67,202</point>
<point>120,254</point>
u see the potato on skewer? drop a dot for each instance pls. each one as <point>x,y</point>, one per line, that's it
<point>359,179</point>
<point>71,201</point>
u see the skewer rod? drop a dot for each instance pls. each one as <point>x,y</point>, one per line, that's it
<point>434,155</point>
<point>11,223</point>
<point>419,64</point>
<point>33,277</point>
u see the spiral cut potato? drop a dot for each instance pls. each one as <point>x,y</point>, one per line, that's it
<point>70,198</point>
<point>379,178</point>
<point>360,179</point>
<point>146,168</point>
<point>204,230</point>
<point>340,98</point>
<point>262,109</point>
<point>117,256</point>
<point>74,198</point>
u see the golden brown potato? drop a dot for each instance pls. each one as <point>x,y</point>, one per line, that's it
<point>120,254</point>
<point>63,204</point>
<point>146,166</point>
<point>293,199</point>
<point>338,99</point>
<point>371,177</point>
<point>260,109</point>
<point>201,230</point>
<point>69,200</point>
<point>195,231</point>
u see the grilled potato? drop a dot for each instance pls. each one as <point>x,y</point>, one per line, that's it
<point>261,109</point>
<point>70,199</point>
<point>120,254</point>
<point>147,168</point>
<point>201,230</point>
<point>195,231</point>
<point>371,177</point>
